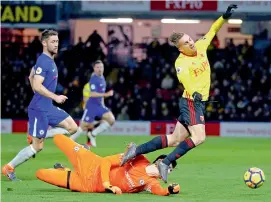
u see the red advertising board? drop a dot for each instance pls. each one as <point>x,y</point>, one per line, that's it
<point>184,5</point>
<point>19,126</point>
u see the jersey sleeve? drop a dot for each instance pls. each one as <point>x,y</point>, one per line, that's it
<point>183,75</point>
<point>207,38</point>
<point>41,68</point>
<point>155,188</point>
<point>107,163</point>
<point>93,84</point>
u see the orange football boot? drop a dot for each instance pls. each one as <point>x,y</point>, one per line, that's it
<point>9,172</point>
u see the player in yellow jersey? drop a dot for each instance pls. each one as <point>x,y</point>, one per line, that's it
<point>193,71</point>
<point>86,94</point>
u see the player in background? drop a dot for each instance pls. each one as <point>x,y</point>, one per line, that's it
<point>41,111</point>
<point>86,96</point>
<point>104,174</point>
<point>193,71</point>
<point>95,106</point>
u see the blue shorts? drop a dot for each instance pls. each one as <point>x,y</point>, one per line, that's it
<point>40,120</point>
<point>94,111</point>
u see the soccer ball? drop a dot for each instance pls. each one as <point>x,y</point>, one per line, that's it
<point>254,178</point>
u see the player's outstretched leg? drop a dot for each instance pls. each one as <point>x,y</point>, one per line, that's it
<point>54,131</point>
<point>38,124</point>
<point>84,127</point>
<point>108,120</point>
<point>160,142</point>
<point>156,143</point>
<point>178,152</point>
<point>61,122</point>
<point>9,169</point>
<point>71,149</point>
<point>53,176</point>
<point>198,136</point>
<point>76,135</point>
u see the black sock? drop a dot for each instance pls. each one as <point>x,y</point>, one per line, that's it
<point>156,143</point>
<point>179,151</point>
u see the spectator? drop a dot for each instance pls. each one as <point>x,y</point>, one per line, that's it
<point>240,82</point>
<point>167,82</point>
<point>123,114</point>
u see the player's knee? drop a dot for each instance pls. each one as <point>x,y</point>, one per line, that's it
<point>112,120</point>
<point>199,139</point>
<point>39,174</point>
<point>173,140</point>
<point>37,147</point>
<point>72,129</point>
<point>109,117</point>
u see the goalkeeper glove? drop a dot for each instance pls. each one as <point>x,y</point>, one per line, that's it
<point>229,11</point>
<point>111,189</point>
<point>174,188</point>
<point>197,97</point>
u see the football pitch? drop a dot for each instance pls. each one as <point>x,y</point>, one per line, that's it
<point>213,172</point>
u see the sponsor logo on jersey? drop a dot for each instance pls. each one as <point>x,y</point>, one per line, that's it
<point>130,181</point>
<point>201,69</point>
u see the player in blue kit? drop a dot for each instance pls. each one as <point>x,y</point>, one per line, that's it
<point>41,111</point>
<point>95,107</point>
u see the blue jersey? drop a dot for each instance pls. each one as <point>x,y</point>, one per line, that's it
<point>98,85</point>
<point>45,67</point>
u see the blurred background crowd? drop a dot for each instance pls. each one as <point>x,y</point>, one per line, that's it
<point>145,89</point>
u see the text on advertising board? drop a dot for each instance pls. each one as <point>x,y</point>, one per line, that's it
<point>28,13</point>
<point>184,5</point>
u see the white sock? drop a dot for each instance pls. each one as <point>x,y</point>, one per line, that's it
<point>77,134</point>
<point>52,132</point>
<point>101,128</point>
<point>22,156</point>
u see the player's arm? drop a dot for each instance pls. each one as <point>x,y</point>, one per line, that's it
<point>96,94</point>
<point>155,188</point>
<point>217,25</point>
<point>94,88</point>
<point>106,164</point>
<point>206,40</point>
<point>38,87</point>
<point>31,77</point>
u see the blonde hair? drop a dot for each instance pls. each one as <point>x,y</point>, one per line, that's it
<point>175,37</point>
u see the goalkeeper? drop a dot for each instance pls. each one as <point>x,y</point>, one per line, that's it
<point>93,173</point>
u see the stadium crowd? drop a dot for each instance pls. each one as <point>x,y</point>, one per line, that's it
<point>145,90</point>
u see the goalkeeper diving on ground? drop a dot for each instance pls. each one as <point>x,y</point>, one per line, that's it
<point>96,174</point>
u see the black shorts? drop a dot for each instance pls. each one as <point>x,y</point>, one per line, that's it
<point>191,113</point>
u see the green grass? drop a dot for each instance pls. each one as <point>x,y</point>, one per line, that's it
<point>211,173</point>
